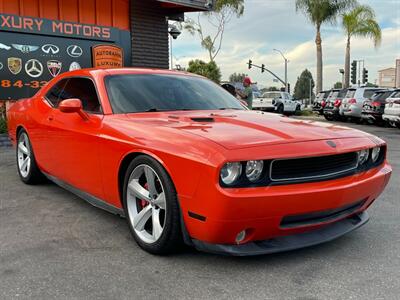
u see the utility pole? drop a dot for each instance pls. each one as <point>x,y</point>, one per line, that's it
<point>286,75</point>
<point>359,70</point>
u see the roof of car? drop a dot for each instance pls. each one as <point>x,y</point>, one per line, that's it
<point>94,71</point>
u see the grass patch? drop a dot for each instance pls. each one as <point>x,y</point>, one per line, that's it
<point>3,125</point>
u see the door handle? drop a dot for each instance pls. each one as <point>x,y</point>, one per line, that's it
<point>50,118</point>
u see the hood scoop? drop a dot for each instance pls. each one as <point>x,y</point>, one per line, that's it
<point>203,119</point>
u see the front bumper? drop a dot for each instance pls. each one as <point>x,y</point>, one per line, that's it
<point>261,211</point>
<point>391,118</point>
<point>289,242</point>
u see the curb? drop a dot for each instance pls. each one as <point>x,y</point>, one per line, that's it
<point>5,141</point>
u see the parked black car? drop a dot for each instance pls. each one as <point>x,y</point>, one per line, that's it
<point>374,107</point>
<point>320,101</point>
<point>333,102</point>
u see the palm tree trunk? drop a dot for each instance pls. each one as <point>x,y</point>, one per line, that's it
<point>347,64</point>
<point>318,43</point>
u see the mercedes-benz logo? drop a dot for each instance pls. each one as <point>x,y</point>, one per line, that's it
<point>74,51</point>
<point>34,68</point>
<point>50,49</point>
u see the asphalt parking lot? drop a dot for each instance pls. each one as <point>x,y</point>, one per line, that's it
<point>54,245</point>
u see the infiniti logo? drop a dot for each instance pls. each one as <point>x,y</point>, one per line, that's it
<point>331,143</point>
<point>50,49</point>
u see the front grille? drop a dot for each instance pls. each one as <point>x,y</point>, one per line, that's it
<point>306,169</point>
<point>315,218</point>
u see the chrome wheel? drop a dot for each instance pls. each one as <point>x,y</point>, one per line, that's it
<point>146,203</point>
<point>24,155</point>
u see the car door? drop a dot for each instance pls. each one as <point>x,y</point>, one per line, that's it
<point>46,105</point>
<point>75,142</point>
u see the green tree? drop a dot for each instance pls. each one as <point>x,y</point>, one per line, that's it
<point>302,87</point>
<point>337,85</point>
<point>218,18</point>
<point>359,22</point>
<point>209,70</point>
<point>237,77</point>
<point>319,12</point>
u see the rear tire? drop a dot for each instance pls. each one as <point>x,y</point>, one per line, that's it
<point>26,163</point>
<point>280,109</point>
<point>151,206</point>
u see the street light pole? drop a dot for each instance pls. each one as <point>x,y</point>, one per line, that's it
<point>286,62</point>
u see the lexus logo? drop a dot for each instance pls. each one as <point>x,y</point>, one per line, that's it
<point>34,68</point>
<point>50,49</point>
<point>331,143</point>
<point>74,51</point>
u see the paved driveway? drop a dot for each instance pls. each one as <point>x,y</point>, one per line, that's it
<point>54,245</point>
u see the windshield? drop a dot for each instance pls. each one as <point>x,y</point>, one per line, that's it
<point>271,95</point>
<point>156,92</point>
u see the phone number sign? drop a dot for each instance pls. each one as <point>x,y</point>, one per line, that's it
<point>34,51</point>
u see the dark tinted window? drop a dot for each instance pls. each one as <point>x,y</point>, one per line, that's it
<point>369,93</point>
<point>342,93</point>
<point>54,94</point>
<point>156,92</point>
<point>84,90</point>
<point>381,96</point>
<point>395,95</point>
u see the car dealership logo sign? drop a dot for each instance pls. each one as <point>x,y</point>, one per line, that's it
<point>4,47</point>
<point>34,68</point>
<point>14,65</point>
<point>54,67</point>
<point>74,51</point>
<point>50,49</point>
<point>74,66</point>
<point>25,48</point>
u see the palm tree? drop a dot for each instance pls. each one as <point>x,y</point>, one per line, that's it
<point>319,12</point>
<point>360,22</point>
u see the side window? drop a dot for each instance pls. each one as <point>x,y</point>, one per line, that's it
<point>84,90</point>
<point>53,95</point>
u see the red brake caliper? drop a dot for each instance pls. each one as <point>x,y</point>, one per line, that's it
<point>142,202</point>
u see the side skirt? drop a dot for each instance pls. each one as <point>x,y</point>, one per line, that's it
<point>87,197</point>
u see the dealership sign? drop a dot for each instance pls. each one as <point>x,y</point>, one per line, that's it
<point>35,50</point>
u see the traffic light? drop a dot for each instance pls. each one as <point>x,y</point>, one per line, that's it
<point>250,63</point>
<point>364,75</point>
<point>354,72</point>
<point>262,68</point>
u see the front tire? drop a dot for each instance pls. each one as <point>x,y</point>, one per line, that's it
<point>280,109</point>
<point>151,206</point>
<point>26,163</point>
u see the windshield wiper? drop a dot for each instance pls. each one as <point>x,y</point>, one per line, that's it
<point>225,108</point>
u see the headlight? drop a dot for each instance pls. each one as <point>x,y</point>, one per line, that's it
<point>363,156</point>
<point>375,153</point>
<point>230,172</point>
<point>254,170</point>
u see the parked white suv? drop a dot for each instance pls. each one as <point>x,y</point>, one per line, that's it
<point>392,109</point>
<point>352,103</point>
<point>280,102</point>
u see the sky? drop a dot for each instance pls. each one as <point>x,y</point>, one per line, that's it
<point>275,24</point>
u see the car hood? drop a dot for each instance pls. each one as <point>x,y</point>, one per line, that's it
<point>243,129</point>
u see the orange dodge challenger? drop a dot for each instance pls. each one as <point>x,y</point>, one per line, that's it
<point>184,161</point>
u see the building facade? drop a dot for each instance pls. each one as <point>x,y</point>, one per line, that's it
<point>387,77</point>
<point>40,39</point>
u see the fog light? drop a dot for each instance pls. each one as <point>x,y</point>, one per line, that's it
<point>240,237</point>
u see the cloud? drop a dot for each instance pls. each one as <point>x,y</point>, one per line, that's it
<point>273,24</point>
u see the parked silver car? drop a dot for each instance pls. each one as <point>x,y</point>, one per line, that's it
<point>392,109</point>
<point>352,103</point>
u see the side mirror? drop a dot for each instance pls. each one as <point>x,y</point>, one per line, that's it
<point>73,106</point>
